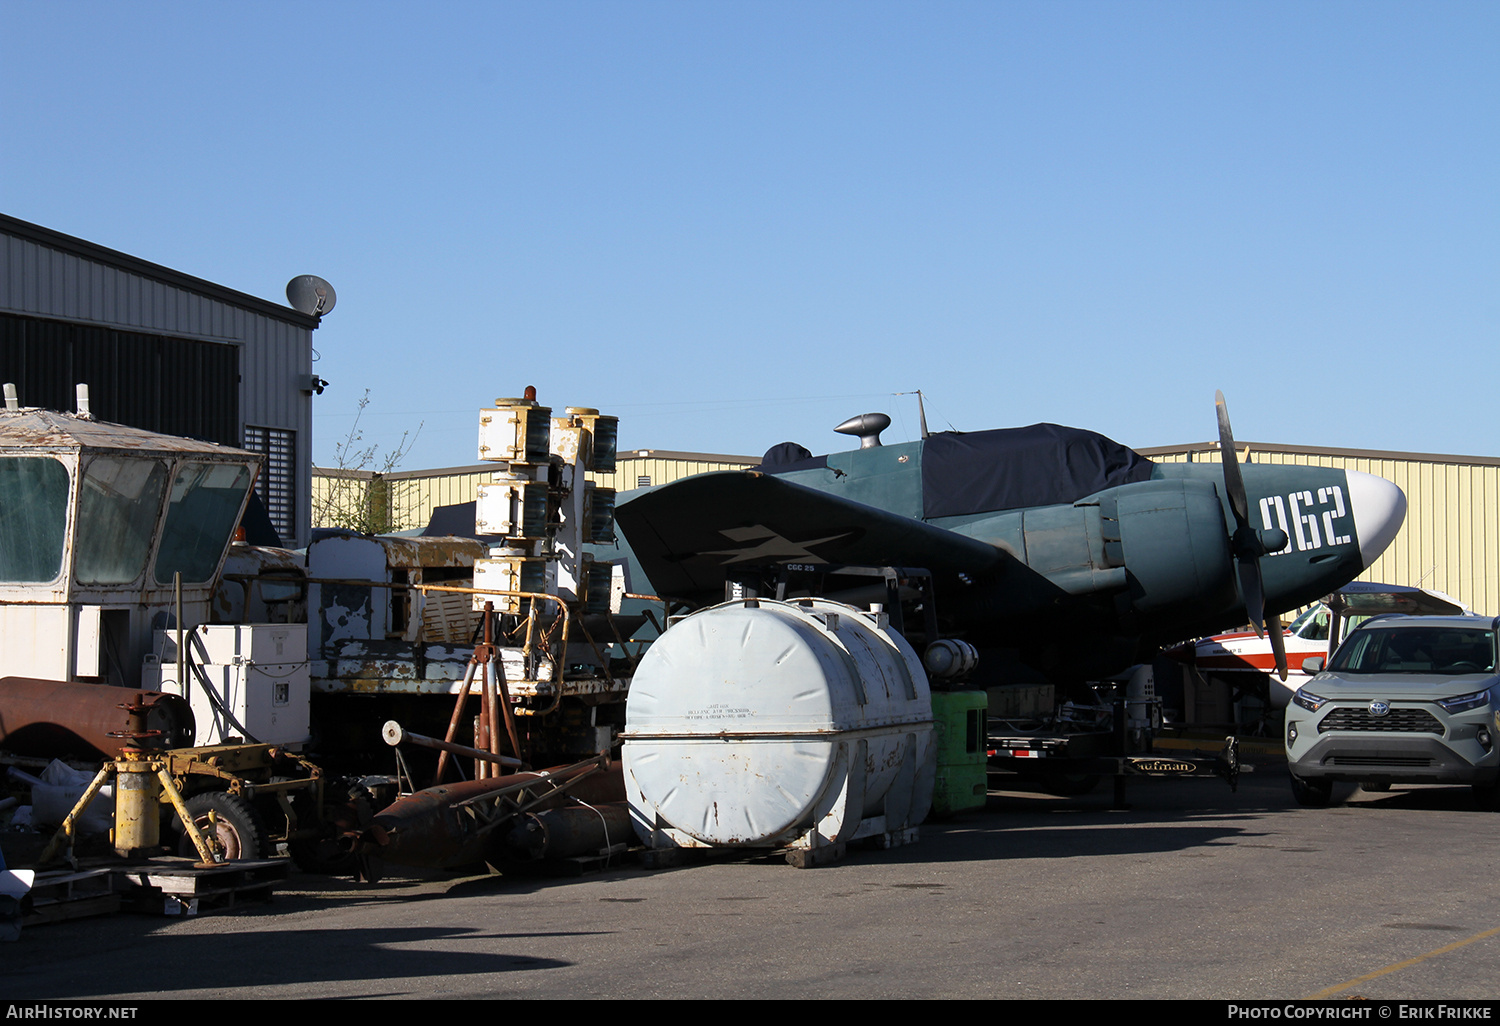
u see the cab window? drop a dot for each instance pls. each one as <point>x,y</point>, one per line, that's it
<point>33,517</point>
<point>117,510</point>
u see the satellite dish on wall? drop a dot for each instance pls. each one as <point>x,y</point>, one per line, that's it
<point>310,294</point>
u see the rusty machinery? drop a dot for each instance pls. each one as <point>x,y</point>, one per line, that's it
<point>517,818</point>
<point>142,780</point>
<point>239,795</point>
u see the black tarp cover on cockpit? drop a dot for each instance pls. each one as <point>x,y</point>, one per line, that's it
<point>1009,468</point>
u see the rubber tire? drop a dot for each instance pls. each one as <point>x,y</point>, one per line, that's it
<point>239,827</point>
<point>1487,797</point>
<point>1311,794</point>
<point>1375,786</point>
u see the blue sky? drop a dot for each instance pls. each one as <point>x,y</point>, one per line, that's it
<point>733,224</point>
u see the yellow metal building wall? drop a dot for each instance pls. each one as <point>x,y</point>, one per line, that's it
<point>414,494</point>
<point>661,469</point>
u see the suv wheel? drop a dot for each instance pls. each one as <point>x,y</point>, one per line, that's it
<point>1311,793</point>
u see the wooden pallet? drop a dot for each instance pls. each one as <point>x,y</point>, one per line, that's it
<point>72,894</point>
<point>180,887</point>
<point>165,886</point>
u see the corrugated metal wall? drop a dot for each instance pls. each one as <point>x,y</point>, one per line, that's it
<point>173,385</point>
<point>102,317</point>
<point>659,466</point>
<point>1451,538</point>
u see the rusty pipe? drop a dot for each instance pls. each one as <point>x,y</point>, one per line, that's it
<point>547,711</point>
<point>394,734</point>
<point>455,824</point>
<point>568,832</point>
<point>50,718</point>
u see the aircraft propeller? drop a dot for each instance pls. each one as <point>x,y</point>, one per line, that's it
<point>1248,544</point>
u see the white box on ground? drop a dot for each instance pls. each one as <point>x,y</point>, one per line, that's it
<point>242,679</point>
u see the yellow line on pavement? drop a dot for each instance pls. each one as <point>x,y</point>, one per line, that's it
<point>1331,991</point>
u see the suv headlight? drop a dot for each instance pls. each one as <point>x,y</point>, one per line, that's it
<point>1309,701</point>
<point>1463,703</point>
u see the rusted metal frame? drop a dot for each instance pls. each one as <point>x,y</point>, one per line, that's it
<point>559,662</point>
<point>288,814</point>
<point>232,762</point>
<point>66,830</point>
<point>503,807</point>
<point>178,766</point>
<point>630,658</point>
<point>528,649</point>
<point>458,706</point>
<point>505,707</point>
<point>488,655</point>
<point>169,788</point>
<point>250,791</point>
<point>405,782</point>
<point>496,807</point>
<point>485,730</point>
<point>593,646</point>
<point>529,644</point>
<point>209,855</point>
<point>549,709</point>
<point>404,736</point>
<point>491,811</point>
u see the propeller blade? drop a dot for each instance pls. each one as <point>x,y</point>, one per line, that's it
<point>1245,541</point>
<point>1278,643</point>
<point>1234,481</point>
<point>1255,607</point>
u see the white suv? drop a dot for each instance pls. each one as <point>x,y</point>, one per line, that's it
<point>1405,700</point>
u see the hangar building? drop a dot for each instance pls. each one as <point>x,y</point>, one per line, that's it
<point>163,351</point>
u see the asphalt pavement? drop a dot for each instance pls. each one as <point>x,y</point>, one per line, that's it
<point>1194,892</point>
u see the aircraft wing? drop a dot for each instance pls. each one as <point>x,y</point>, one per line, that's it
<point>689,534</point>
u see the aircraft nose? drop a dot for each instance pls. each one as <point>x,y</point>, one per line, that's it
<point>1379,508</point>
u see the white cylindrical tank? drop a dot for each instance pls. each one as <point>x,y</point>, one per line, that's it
<point>758,722</point>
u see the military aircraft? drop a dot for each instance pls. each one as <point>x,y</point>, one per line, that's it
<point>1067,554</point>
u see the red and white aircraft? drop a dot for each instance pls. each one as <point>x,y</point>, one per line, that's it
<point>1315,632</point>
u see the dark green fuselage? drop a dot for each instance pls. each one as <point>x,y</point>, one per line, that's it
<point>1077,589</point>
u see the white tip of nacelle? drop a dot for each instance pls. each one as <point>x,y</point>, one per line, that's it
<point>1379,509</point>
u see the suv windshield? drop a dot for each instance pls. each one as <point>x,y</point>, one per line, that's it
<point>1441,650</point>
